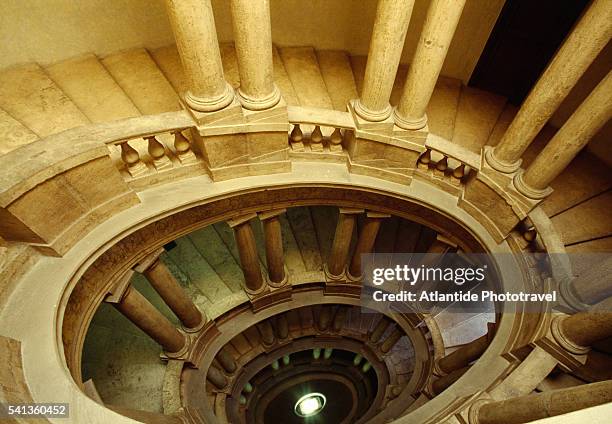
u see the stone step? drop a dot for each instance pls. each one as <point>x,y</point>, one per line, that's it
<point>140,78</point>
<point>282,80</point>
<point>293,256</point>
<point>586,221</point>
<point>199,272</point>
<point>468,330</point>
<point>302,227</point>
<point>338,76</point>
<point>358,64</point>
<point>32,98</point>
<point>585,177</point>
<point>324,219</point>
<point>230,64</point>
<point>169,62</point>
<point>305,75</point>
<point>92,89</point>
<point>477,114</point>
<point>442,108</point>
<point>13,134</point>
<point>502,124</point>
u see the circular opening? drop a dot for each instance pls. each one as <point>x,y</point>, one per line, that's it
<point>310,404</point>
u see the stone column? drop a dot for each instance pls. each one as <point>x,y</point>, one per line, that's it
<point>275,256</point>
<point>584,123</point>
<point>461,357</point>
<point>580,48</point>
<point>386,44</point>
<point>529,408</point>
<point>253,40</point>
<point>227,361</point>
<point>247,249</point>
<point>579,331</point>
<point>444,382</point>
<point>342,242</point>
<point>144,315</point>
<point>438,30</point>
<point>193,25</point>
<point>170,291</point>
<point>365,242</point>
<point>391,340</point>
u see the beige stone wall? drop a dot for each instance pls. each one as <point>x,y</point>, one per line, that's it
<point>47,31</point>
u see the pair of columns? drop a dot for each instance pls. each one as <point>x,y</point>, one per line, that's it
<point>388,36</point>
<point>581,47</point>
<point>338,257</point>
<point>247,250</point>
<point>133,305</point>
<point>194,29</point>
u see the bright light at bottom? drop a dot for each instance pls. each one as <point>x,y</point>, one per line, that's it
<point>310,404</point>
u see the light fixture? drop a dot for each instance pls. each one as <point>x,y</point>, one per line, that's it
<point>309,405</point>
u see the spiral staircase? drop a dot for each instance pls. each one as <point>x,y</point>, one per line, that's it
<point>162,264</point>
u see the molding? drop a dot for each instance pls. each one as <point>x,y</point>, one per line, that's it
<point>212,104</point>
<point>498,164</point>
<point>254,103</point>
<point>149,261</point>
<point>409,123</point>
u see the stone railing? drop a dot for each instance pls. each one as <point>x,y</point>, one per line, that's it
<point>62,171</point>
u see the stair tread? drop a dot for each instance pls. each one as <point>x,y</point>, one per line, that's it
<point>477,114</point>
<point>293,256</point>
<point>209,244</point>
<point>358,63</point>
<point>338,77</point>
<point>144,83</point>
<point>442,108</point>
<point>468,330</point>
<point>92,89</point>
<point>586,221</point>
<point>305,75</point>
<point>169,62</point>
<point>283,82</point>
<point>502,124</point>
<point>32,98</point>
<point>230,64</point>
<point>303,230</point>
<point>13,133</point>
<point>324,219</point>
<point>585,177</point>
<point>599,245</point>
<point>200,273</point>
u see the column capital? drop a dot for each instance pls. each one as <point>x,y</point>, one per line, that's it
<point>234,222</point>
<point>375,214</point>
<point>350,211</point>
<point>270,214</point>
<point>120,288</point>
<point>148,261</point>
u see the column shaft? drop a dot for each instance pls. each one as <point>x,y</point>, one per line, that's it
<point>365,243</point>
<point>249,260</point>
<point>253,40</point>
<point>194,29</point>
<point>464,355</point>
<point>275,256</point>
<point>173,294</point>
<point>446,381</point>
<point>342,242</point>
<point>584,123</point>
<point>144,315</point>
<point>586,328</point>
<point>438,30</point>
<point>580,48</point>
<point>386,44</point>
<point>543,405</point>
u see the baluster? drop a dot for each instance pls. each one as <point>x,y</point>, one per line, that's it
<point>183,148</point>
<point>158,154</point>
<point>316,140</point>
<point>335,141</point>
<point>441,167</point>
<point>131,158</point>
<point>458,174</point>
<point>296,138</point>
<point>424,160</point>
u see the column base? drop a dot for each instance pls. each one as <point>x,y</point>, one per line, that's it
<point>498,164</point>
<point>210,104</point>
<point>197,327</point>
<point>253,103</point>
<point>372,115</point>
<point>474,410</point>
<point>559,336</point>
<point>281,283</point>
<point>409,123</point>
<point>525,189</point>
